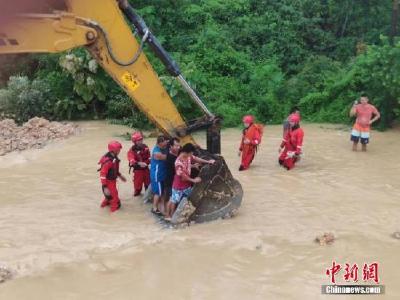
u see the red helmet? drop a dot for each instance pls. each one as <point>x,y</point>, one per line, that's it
<point>248,119</point>
<point>114,146</point>
<point>137,136</point>
<point>294,118</point>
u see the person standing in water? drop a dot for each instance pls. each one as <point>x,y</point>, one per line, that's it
<point>251,139</point>
<point>291,146</point>
<point>366,115</point>
<point>173,152</point>
<point>158,171</point>
<point>183,182</point>
<point>139,161</point>
<point>109,172</point>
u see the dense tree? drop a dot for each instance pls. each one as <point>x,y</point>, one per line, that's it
<point>259,56</point>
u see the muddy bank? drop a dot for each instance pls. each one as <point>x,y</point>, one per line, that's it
<point>35,133</point>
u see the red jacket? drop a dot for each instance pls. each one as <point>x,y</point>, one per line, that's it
<point>252,133</point>
<point>293,140</point>
<point>139,154</point>
<point>109,168</point>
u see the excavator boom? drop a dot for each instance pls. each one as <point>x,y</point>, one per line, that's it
<point>49,26</point>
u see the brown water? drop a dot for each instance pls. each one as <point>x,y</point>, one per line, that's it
<point>62,246</point>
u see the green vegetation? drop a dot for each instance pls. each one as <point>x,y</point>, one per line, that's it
<point>254,56</point>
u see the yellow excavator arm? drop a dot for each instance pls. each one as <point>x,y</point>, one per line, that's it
<point>101,27</point>
<point>50,26</point>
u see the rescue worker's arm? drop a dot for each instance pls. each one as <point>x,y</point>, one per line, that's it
<point>103,178</point>
<point>145,158</point>
<point>281,147</point>
<point>284,140</point>
<point>122,177</point>
<point>256,138</point>
<point>104,171</point>
<point>241,146</point>
<point>131,158</point>
<point>300,136</point>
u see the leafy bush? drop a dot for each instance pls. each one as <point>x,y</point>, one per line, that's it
<point>24,99</point>
<point>88,83</point>
<point>375,72</point>
<point>120,110</point>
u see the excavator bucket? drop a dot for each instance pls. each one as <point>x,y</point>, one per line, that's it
<point>217,196</point>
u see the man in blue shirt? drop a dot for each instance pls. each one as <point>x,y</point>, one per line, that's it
<point>158,172</point>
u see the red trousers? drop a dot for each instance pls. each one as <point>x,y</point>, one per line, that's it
<point>140,178</point>
<point>113,200</point>
<point>287,162</point>
<point>248,154</point>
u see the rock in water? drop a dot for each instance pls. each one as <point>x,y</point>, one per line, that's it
<point>326,239</point>
<point>183,212</point>
<point>5,274</point>
<point>396,235</point>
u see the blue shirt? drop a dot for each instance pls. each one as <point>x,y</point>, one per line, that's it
<point>158,168</point>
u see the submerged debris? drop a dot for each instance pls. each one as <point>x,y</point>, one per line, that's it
<point>326,239</point>
<point>396,235</point>
<point>33,134</point>
<point>5,274</point>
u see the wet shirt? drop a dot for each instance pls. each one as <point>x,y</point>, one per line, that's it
<point>182,166</point>
<point>170,165</point>
<point>364,114</point>
<point>158,168</point>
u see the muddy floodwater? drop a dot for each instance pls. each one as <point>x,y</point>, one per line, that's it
<point>61,245</point>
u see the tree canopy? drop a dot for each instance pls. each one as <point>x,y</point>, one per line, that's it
<point>244,56</point>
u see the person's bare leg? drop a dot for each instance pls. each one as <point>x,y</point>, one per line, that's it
<point>156,200</point>
<point>172,209</point>
<point>364,147</point>
<point>355,144</point>
<point>161,205</point>
<point>167,205</point>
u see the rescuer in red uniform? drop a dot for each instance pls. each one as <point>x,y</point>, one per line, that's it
<point>251,138</point>
<point>109,172</point>
<point>139,160</point>
<point>291,146</point>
